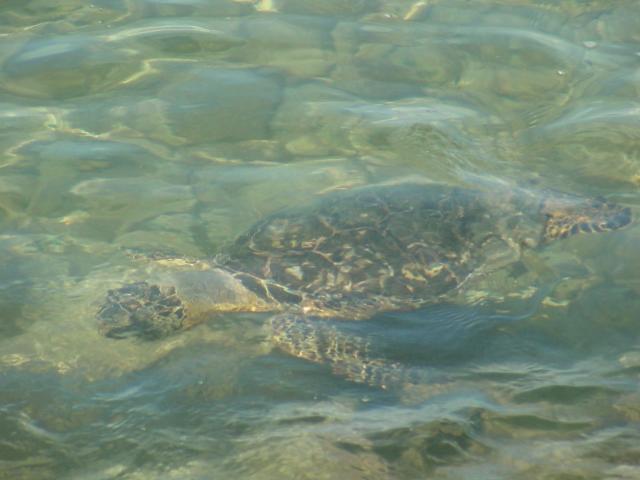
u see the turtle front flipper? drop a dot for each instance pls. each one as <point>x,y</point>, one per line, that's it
<point>350,356</point>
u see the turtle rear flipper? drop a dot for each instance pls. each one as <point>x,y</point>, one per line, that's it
<point>350,356</point>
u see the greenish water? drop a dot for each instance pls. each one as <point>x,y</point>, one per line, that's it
<point>173,125</point>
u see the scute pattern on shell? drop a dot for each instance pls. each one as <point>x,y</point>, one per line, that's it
<point>381,248</point>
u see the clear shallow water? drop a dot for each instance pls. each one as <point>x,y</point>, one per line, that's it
<point>174,125</point>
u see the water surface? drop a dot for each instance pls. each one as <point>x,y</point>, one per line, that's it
<point>173,125</point>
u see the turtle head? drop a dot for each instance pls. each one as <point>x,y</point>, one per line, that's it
<point>565,217</point>
<point>141,309</point>
<point>174,301</point>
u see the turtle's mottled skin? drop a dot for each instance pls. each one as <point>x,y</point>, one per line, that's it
<point>352,254</point>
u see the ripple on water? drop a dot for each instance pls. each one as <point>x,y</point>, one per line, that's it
<point>177,38</point>
<point>297,45</point>
<point>213,104</point>
<point>123,202</point>
<point>594,141</point>
<point>191,8</point>
<point>202,105</point>
<point>422,447</point>
<point>55,165</point>
<point>66,66</point>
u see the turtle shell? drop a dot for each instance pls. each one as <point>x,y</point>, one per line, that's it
<point>375,248</point>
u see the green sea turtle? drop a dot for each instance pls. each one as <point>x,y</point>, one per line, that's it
<point>352,254</point>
